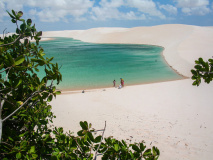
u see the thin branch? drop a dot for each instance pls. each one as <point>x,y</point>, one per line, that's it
<point>100,142</point>
<point>7,74</point>
<point>207,72</point>
<point>6,69</point>
<point>7,144</point>
<point>3,32</point>
<point>20,106</point>
<point>78,146</point>
<point>2,102</point>
<point>7,100</point>
<point>11,42</point>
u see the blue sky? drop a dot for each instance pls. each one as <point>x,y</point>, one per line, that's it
<point>50,15</point>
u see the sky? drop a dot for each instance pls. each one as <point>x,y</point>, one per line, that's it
<point>53,15</point>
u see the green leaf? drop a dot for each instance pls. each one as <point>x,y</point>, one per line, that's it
<point>58,92</point>
<point>26,42</point>
<point>10,59</point>
<point>201,60</point>
<point>80,133</point>
<point>20,68</point>
<point>116,147</point>
<point>85,137</point>
<point>32,149</point>
<point>53,157</point>
<point>193,72</point>
<point>142,147</point>
<point>39,33</point>
<point>195,83</point>
<point>83,126</point>
<point>98,139</point>
<point>23,27</point>
<point>13,20</point>
<point>29,22</point>
<point>34,156</point>
<point>155,151</point>
<point>40,62</point>
<point>148,152</point>
<point>10,138</point>
<point>43,122</point>
<point>124,143</point>
<point>22,20</point>
<point>90,125</point>
<point>134,147</point>
<point>14,13</point>
<point>50,98</point>
<point>1,66</point>
<point>20,14</point>
<point>198,67</point>
<point>11,15</point>
<point>17,31</point>
<point>19,60</point>
<point>18,155</point>
<point>91,136</point>
<point>19,82</point>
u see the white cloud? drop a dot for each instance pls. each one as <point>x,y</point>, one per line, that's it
<point>103,13</point>
<point>53,10</point>
<point>146,6</point>
<point>112,3</point>
<point>169,8</point>
<point>110,10</point>
<point>196,11</point>
<point>194,7</point>
<point>191,3</point>
<point>131,16</point>
<point>2,11</point>
<point>12,4</point>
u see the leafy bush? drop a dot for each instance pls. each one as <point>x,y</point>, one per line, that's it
<point>203,70</point>
<point>26,116</point>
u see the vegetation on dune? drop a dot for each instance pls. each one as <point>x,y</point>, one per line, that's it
<point>26,116</point>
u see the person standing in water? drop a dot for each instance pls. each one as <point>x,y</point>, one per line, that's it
<point>122,82</point>
<point>114,83</point>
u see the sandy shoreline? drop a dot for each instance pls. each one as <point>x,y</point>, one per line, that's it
<point>174,116</point>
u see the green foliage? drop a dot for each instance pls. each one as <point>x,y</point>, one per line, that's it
<point>203,70</point>
<point>24,96</point>
<point>27,116</point>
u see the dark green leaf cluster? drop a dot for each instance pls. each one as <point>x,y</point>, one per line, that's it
<point>26,113</point>
<point>203,70</point>
<point>115,149</point>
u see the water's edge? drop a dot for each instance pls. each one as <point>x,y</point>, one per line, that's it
<point>69,91</point>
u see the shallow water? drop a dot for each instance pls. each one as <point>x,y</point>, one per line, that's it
<point>89,65</point>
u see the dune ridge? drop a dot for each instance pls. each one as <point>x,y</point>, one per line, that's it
<point>183,43</point>
<point>174,116</point>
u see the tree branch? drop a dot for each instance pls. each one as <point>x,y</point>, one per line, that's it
<point>11,42</point>
<point>3,32</point>
<point>100,141</point>
<point>20,106</point>
<point>6,69</point>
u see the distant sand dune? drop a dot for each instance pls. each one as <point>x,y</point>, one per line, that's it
<point>174,116</point>
<point>183,43</point>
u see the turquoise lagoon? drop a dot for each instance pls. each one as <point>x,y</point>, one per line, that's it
<point>90,65</point>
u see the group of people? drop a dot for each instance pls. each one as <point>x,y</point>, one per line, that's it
<point>121,84</point>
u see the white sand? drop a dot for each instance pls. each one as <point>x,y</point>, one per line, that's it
<point>174,116</point>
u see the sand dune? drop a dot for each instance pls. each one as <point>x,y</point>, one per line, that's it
<point>183,43</point>
<point>174,116</point>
